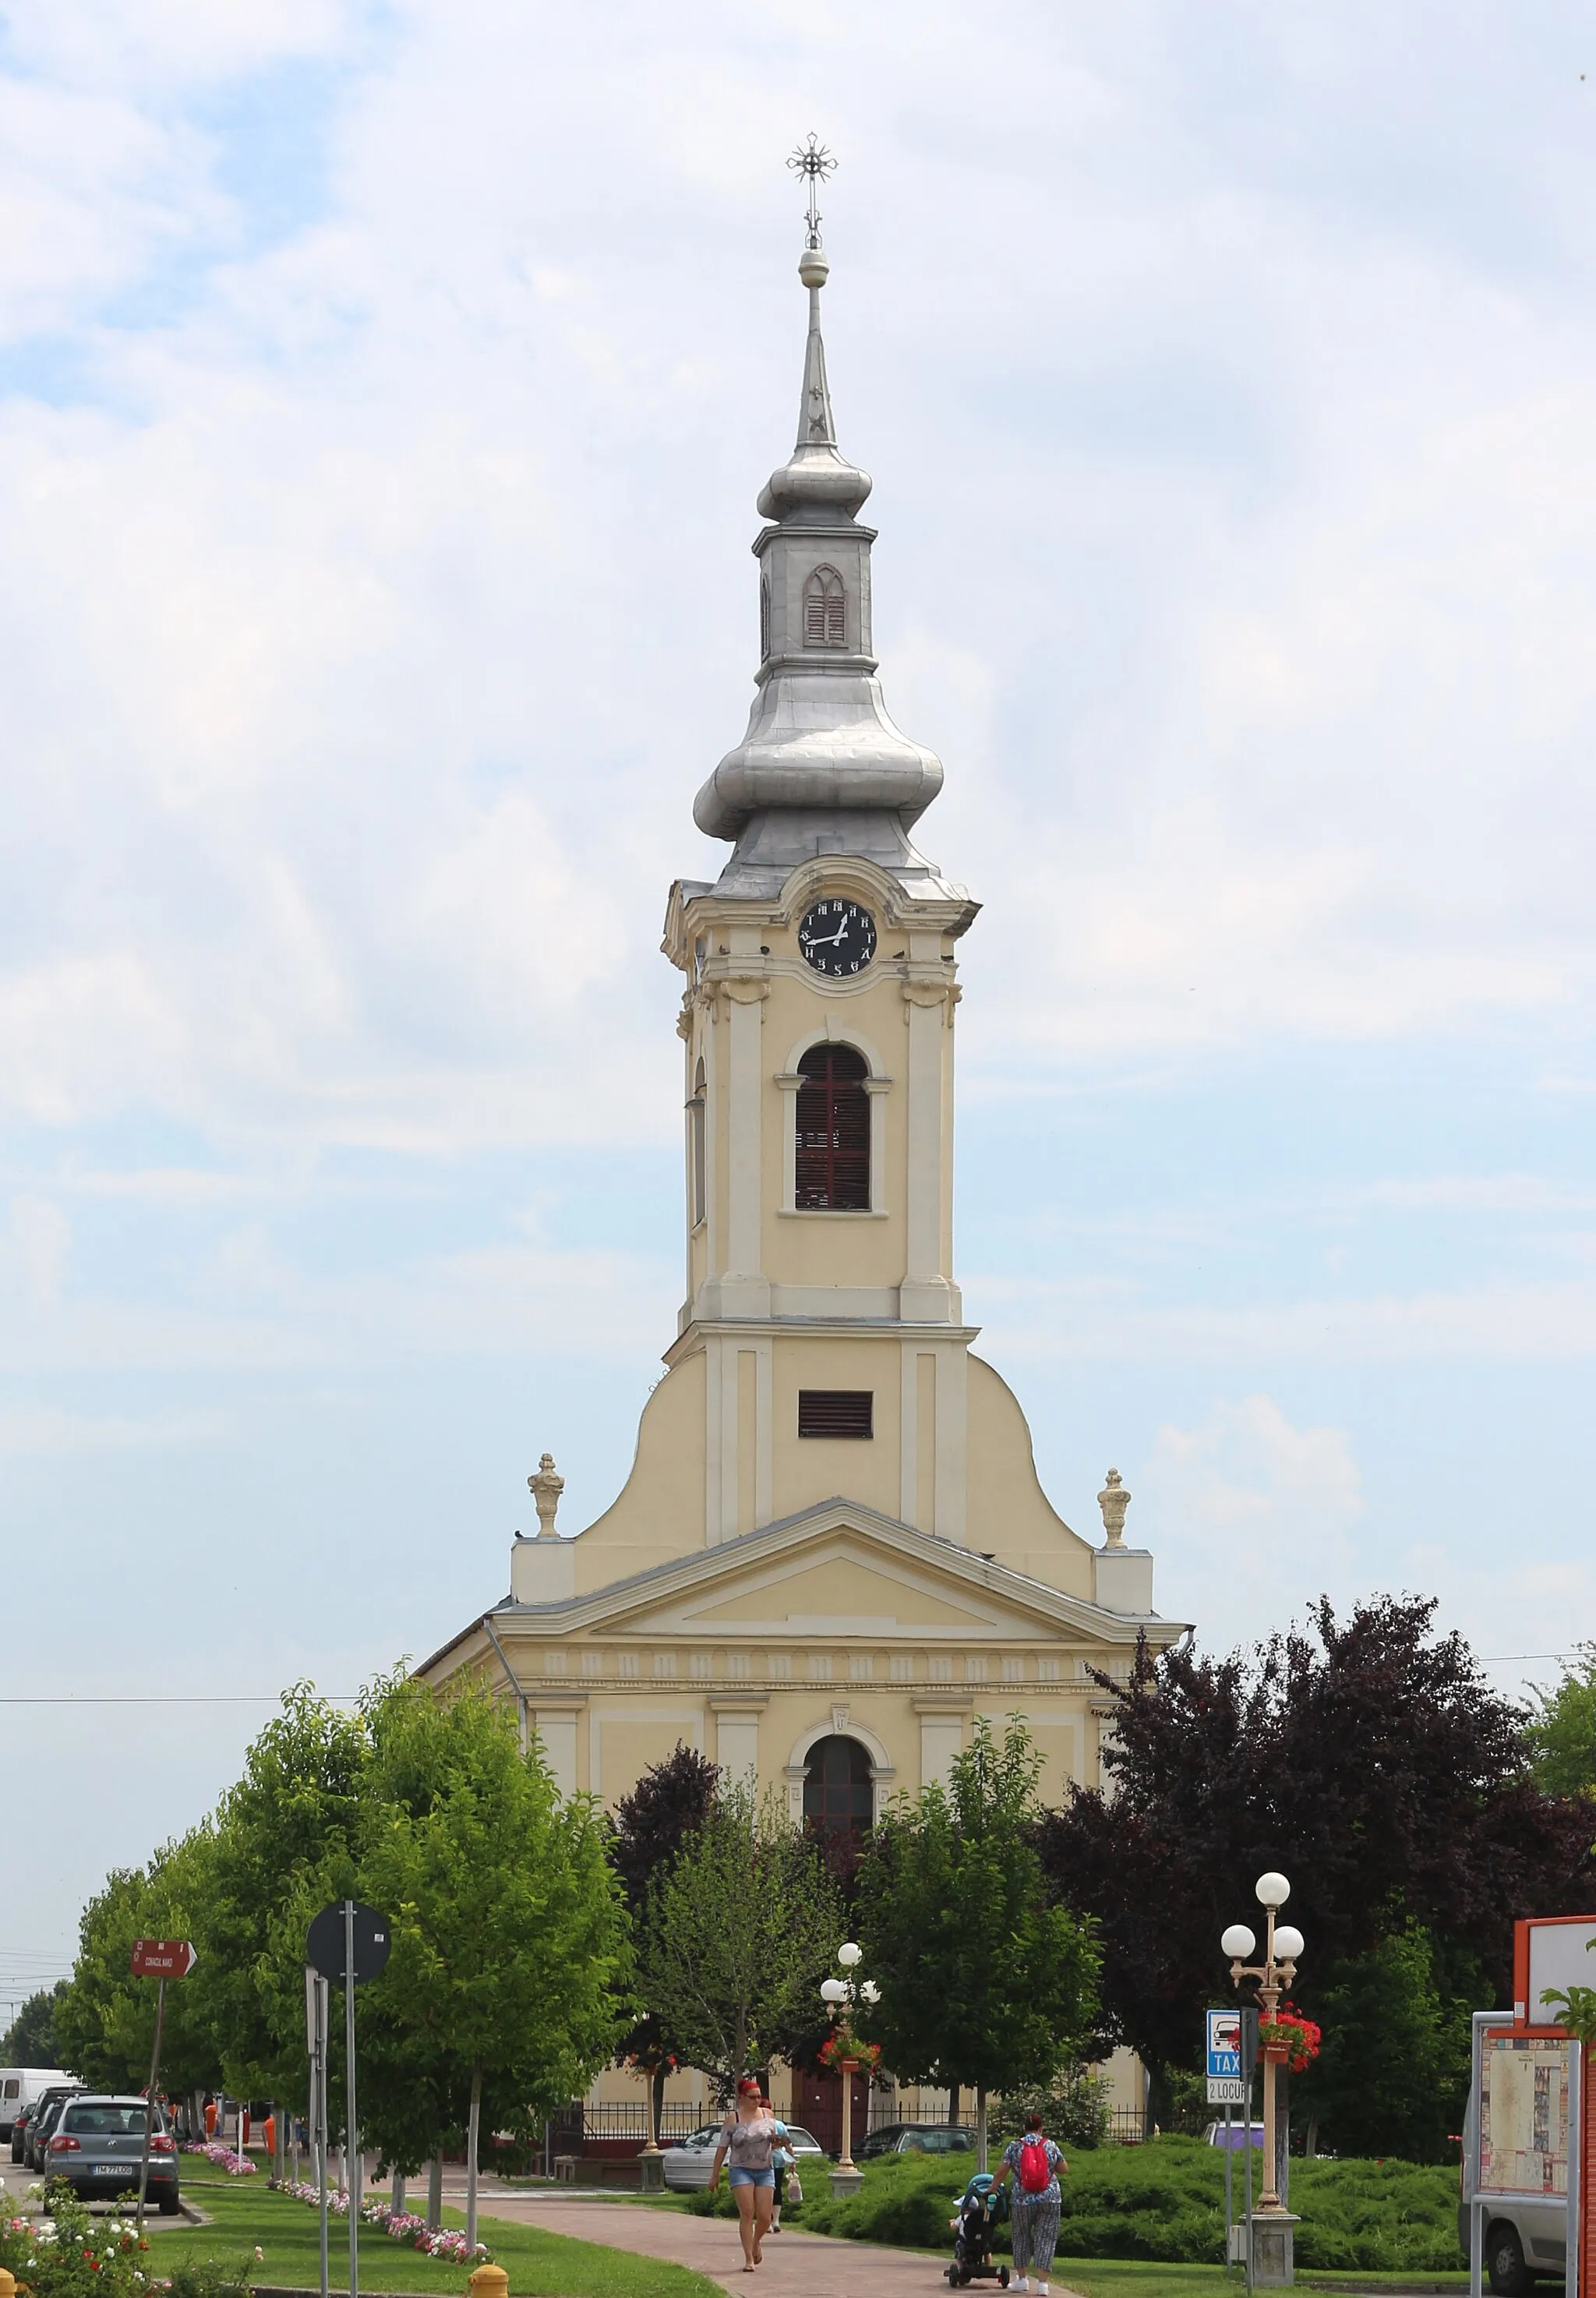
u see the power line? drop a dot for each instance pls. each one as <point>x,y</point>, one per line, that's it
<point>153,1699</point>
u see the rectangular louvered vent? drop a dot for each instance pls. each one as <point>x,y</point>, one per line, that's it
<point>837,1412</point>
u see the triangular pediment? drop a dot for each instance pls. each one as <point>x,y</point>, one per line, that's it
<point>838,1570</point>
<point>839,1585</point>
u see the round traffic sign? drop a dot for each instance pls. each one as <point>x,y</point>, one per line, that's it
<point>327,1937</point>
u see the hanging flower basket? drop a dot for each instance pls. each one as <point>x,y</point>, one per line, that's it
<point>842,2044</point>
<point>1289,2040</point>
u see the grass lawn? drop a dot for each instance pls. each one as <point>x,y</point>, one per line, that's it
<point>1129,2278</point>
<point>248,2215</point>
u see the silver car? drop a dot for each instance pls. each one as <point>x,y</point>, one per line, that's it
<point>690,2162</point>
<point>97,2145</point>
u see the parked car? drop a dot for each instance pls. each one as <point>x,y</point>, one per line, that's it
<point>1235,2136</point>
<point>42,2121</point>
<point>916,2138</point>
<point>97,2145</point>
<point>18,2087</point>
<point>19,2131</point>
<point>690,2162</point>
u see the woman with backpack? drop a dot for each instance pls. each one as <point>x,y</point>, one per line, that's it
<point>1034,2164</point>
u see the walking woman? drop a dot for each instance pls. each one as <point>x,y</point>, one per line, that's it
<point>1034,2163</point>
<point>749,2137</point>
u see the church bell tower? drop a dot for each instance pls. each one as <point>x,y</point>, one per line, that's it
<point>818,1019</point>
<point>833,1553</point>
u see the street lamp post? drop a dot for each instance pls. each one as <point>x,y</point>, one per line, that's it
<point>1270,2240</point>
<point>839,1997</point>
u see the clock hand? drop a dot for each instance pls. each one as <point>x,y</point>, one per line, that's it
<point>824,942</point>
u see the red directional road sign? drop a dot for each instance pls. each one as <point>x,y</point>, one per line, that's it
<point>163,1958</point>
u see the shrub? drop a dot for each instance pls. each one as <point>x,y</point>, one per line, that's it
<point>71,2255</point>
<point>1164,2201</point>
<point>208,2277</point>
<point>1073,2109</point>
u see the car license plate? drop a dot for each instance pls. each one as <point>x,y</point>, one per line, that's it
<point>115,2171</point>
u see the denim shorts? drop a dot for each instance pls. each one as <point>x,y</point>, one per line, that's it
<point>751,2177</point>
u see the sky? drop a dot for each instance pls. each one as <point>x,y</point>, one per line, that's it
<point>384,390</point>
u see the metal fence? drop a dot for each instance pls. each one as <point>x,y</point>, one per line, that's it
<point>1127,2126</point>
<point>615,2118</point>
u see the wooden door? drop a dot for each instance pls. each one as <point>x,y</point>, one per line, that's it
<point>817,2105</point>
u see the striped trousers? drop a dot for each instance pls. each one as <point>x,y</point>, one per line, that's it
<point>1034,2225</point>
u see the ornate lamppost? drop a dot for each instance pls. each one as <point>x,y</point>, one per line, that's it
<point>1271,2238</point>
<point>839,1997</point>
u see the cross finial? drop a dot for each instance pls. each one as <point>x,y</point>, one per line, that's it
<point>814,164</point>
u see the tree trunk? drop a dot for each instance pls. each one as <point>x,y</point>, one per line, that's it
<point>395,2200</point>
<point>981,2126</point>
<point>656,2102</point>
<point>952,2103</point>
<point>1311,2138</point>
<point>435,2193</point>
<point>472,2130</point>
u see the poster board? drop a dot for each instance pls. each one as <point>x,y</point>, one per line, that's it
<point>1524,2122</point>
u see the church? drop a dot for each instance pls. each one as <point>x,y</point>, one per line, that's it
<point>833,1551</point>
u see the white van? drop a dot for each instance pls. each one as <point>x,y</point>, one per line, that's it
<point>21,2086</point>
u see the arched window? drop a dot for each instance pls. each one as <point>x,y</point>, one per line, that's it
<point>695,1114</point>
<point>824,609</point>
<point>838,1798</point>
<point>831,1164</point>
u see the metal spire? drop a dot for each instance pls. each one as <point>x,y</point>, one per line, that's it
<point>814,164</point>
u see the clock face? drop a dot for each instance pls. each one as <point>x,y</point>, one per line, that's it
<point>838,937</point>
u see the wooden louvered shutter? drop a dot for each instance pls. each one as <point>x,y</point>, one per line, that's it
<point>837,1412</point>
<point>832,1164</point>
<point>824,609</point>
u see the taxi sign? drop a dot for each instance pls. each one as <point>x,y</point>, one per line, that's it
<point>1228,2086</point>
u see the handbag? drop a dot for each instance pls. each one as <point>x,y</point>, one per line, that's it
<point>795,2187</point>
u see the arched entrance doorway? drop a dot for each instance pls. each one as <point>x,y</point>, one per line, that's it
<point>839,1798</point>
<point>839,1806</point>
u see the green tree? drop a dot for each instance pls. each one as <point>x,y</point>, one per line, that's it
<point>737,1935</point>
<point>1561,1733</point>
<point>1364,1756</point>
<point>287,1841</point>
<point>984,1980</point>
<point>30,2041</point>
<point>669,1804</point>
<point>510,1953</point>
<point>1392,2075</point>
<point>104,2019</point>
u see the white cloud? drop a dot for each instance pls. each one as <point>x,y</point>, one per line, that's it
<point>33,1253</point>
<point>368,637</point>
<point>47,1432</point>
<point>1104,1318</point>
<point>1242,1508</point>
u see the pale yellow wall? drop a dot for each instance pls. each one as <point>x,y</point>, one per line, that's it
<point>1010,1517</point>
<point>659,1513</point>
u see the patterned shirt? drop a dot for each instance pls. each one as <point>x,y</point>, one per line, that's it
<point>1052,2192</point>
<point>749,2143</point>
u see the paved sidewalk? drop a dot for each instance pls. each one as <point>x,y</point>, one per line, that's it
<point>796,2265</point>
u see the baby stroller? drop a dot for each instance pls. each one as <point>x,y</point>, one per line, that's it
<point>974,2225</point>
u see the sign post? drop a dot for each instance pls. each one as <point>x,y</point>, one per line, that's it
<point>1226,2088</point>
<point>349,1943</point>
<point>316,2046</point>
<point>161,1960</point>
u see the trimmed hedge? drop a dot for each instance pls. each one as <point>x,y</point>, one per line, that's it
<point>1165,2202</point>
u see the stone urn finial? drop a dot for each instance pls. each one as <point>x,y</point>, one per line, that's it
<point>546,1488</point>
<point>1113,1499</point>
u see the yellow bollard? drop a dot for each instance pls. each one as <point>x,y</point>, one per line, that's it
<point>8,2284</point>
<point>487,2282</point>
